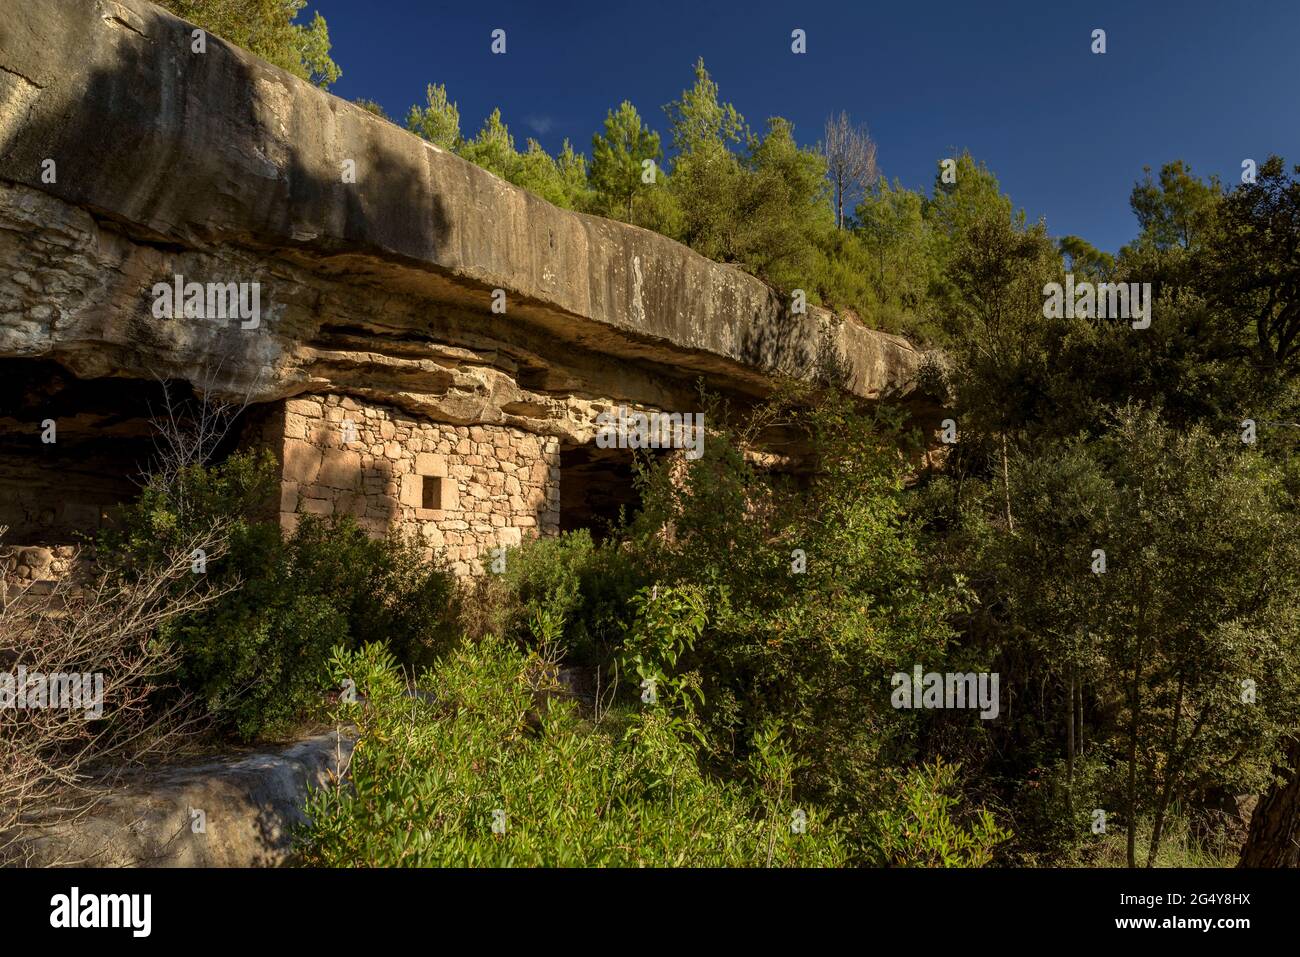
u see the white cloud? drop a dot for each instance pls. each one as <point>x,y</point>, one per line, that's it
<point>540,124</point>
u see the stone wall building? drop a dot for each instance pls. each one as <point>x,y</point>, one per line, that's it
<point>464,490</point>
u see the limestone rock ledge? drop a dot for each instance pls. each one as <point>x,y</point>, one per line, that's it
<point>249,806</point>
<point>126,159</point>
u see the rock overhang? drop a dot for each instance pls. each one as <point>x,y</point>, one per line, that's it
<point>219,166</point>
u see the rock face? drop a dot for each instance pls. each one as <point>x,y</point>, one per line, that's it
<point>233,812</point>
<point>385,270</point>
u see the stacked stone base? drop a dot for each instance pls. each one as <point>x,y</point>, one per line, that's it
<point>37,568</point>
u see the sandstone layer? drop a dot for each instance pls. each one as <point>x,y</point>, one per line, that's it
<point>126,159</point>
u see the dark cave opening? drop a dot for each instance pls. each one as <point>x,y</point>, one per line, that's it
<point>72,450</point>
<point>596,487</point>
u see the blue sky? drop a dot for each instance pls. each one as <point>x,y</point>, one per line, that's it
<point>1066,131</point>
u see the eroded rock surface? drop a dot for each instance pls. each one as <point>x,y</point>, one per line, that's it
<point>127,159</point>
<point>231,812</point>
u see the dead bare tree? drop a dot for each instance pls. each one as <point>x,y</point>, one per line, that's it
<point>188,432</point>
<point>58,760</point>
<point>850,154</point>
<point>105,631</point>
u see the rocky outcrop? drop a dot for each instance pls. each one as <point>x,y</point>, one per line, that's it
<point>238,811</point>
<point>127,158</point>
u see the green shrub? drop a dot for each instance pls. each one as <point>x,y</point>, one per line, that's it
<point>582,587</point>
<point>920,829</point>
<point>386,589</point>
<point>255,656</point>
<point>1053,809</point>
<point>812,597</point>
<point>172,509</point>
<point>668,624</point>
<point>432,773</point>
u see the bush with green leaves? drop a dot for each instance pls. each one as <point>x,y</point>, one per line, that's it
<point>807,600</point>
<point>256,655</point>
<point>481,765</point>
<point>668,624</point>
<point>922,827</point>
<point>568,585</point>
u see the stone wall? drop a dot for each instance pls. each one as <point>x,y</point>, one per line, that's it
<point>36,570</point>
<point>465,489</point>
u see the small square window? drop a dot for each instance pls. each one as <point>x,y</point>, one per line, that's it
<point>430,492</point>
<point>432,495</point>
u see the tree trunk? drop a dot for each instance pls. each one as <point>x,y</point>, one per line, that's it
<point>1078,723</point>
<point>1135,717</point>
<point>1131,809</point>
<point>1069,734</point>
<point>1172,770</point>
<point>1274,838</point>
<point>1006,484</point>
